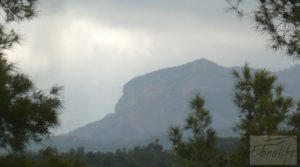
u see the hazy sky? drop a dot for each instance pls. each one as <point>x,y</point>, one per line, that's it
<point>93,47</point>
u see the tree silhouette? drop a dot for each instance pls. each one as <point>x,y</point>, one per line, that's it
<point>200,148</point>
<point>26,113</point>
<point>280,19</point>
<point>13,11</point>
<point>262,107</point>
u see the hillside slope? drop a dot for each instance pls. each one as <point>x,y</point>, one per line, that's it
<point>151,103</point>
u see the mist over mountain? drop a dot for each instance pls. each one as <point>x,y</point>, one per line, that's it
<point>153,102</point>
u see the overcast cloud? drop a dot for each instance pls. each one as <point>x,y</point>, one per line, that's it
<point>94,47</point>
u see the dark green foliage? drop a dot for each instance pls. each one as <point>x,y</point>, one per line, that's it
<point>263,109</point>
<point>13,11</point>
<point>280,19</point>
<point>294,123</point>
<point>152,155</point>
<point>45,158</point>
<point>145,156</point>
<point>261,103</point>
<point>50,157</point>
<point>25,112</point>
<point>17,10</point>
<point>200,148</point>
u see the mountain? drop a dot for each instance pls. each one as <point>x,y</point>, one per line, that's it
<point>153,102</point>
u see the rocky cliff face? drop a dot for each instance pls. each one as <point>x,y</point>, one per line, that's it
<point>151,103</point>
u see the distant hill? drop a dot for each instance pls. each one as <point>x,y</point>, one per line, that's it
<point>151,103</point>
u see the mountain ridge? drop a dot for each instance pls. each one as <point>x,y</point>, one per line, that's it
<point>152,102</point>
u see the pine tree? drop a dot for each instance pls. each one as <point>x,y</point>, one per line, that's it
<point>263,109</point>
<point>280,19</point>
<point>26,113</point>
<point>200,148</point>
